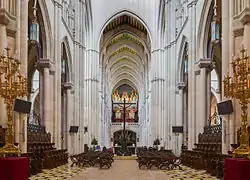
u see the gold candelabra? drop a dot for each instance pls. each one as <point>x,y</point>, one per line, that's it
<point>238,87</point>
<point>12,85</point>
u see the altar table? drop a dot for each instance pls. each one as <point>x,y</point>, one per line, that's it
<point>236,169</point>
<point>14,168</point>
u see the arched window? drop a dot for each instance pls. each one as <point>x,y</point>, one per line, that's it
<point>64,65</point>
<point>35,82</point>
<point>185,65</point>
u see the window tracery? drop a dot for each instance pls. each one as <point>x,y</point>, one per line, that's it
<point>68,14</point>
<point>181,14</point>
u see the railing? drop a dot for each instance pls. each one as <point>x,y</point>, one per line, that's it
<point>116,124</point>
<point>239,6</point>
<point>9,6</point>
<point>127,123</point>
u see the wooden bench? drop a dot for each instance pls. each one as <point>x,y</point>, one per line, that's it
<point>101,159</point>
<point>158,159</point>
<point>207,153</point>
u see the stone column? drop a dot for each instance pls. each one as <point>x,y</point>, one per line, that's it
<point>91,102</point>
<point>180,117</point>
<point>225,68</point>
<point>205,65</point>
<point>157,94</point>
<point>57,77</point>
<point>69,137</point>
<point>17,121</point>
<point>44,66</point>
<point>191,75</point>
<point>4,21</point>
<point>24,67</point>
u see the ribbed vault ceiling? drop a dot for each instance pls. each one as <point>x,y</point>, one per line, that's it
<point>125,48</point>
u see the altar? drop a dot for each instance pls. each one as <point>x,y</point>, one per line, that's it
<point>118,150</point>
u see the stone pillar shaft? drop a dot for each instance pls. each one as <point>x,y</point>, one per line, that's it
<point>47,121</point>
<point>24,67</point>
<point>225,67</point>
<point>203,100</point>
<point>3,44</point>
<point>180,117</point>
<point>191,78</point>
<point>57,77</point>
<point>44,65</point>
<point>91,94</point>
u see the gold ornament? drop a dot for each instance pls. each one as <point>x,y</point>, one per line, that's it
<point>238,87</point>
<point>12,85</point>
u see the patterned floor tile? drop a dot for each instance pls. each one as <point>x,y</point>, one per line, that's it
<point>64,172</point>
<point>126,168</point>
<point>189,174</point>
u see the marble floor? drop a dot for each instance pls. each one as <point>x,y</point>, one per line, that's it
<point>120,170</point>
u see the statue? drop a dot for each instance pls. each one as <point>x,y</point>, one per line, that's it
<point>131,114</point>
<point>134,96</point>
<point>115,96</point>
<point>125,95</point>
<point>118,114</point>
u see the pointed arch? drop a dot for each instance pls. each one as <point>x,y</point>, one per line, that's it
<point>65,42</point>
<point>203,30</point>
<point>48,45</point>
<point>184,42</point>
<point>128,13</point>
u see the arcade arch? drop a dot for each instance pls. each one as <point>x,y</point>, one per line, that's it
<point>125,51</point>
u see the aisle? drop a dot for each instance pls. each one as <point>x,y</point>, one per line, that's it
<point>121,170</point>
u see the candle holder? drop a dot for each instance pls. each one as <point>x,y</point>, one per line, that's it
<point>12,85</point>
<point>238,87</point>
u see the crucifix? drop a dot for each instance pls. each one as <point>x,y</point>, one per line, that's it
<point>124,105</point>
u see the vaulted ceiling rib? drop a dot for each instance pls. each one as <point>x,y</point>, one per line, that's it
<point>125,52</point>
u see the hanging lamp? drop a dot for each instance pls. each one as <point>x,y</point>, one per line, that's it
<point>34,27</point>
<point>215,26</point>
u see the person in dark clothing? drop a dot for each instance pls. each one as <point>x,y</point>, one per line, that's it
<point>104,149</point>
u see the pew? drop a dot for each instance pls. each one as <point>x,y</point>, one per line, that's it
<point>207,154</point>
<point>91,158</point>
<point>39,141</point>
<point>160,159</point>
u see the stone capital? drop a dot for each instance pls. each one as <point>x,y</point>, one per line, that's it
<point>244,16</point>
<point>52,69</point>
<point>44,63</point>
<point>206,63</point>
<point>67,85</point>
<point>197,72</point>
<point>4,17</point>
<point>181,85</point>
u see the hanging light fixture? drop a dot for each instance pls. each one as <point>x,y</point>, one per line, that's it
<point>34,27</point>
<point>215,26</point>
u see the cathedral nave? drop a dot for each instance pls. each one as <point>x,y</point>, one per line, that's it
<point>132,89</point>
